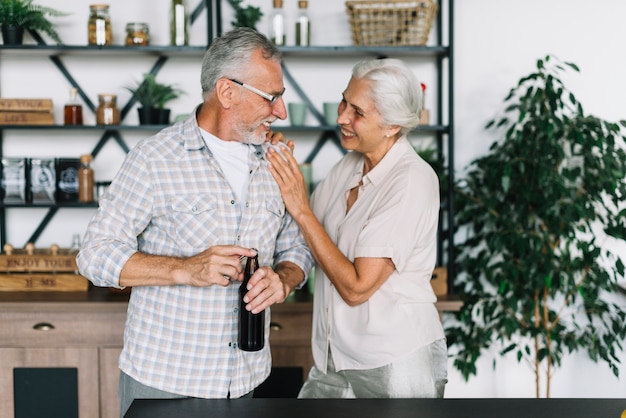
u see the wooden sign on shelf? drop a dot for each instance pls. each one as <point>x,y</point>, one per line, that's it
<point>25,282</point>
<point>26,111</point>
<point>52,269</point>
<point>25,105</point>
<point>26,118</point>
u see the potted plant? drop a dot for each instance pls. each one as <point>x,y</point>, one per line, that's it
<point>247,16</point>
<point>18,15</point>
<point>533,219</point>
<point>152,96</point>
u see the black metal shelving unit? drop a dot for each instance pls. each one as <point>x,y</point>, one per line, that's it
<point>443,131</point>
<point>110,132</point>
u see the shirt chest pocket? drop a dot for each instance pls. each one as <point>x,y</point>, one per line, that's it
<point>196,222</point>
<point>274,213</point>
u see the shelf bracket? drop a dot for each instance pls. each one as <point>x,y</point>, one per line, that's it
<point>42,225</point>
<point>326,135</point>
<point>309,104</point>
<point>214,17</point>
<point>115,134</point>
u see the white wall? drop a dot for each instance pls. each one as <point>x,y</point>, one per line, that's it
<point>496,42</point>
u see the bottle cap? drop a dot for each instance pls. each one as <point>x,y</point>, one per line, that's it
<point>303,4</point>
<point>278,4</point>
<point>85,158</point>
<point>107,97</point>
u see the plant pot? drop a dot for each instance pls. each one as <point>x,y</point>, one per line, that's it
<point>12,35</point>
<point>163,116</point>
<point>153,116</point>
<point>146,115</point>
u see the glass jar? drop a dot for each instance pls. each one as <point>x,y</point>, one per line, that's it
<point>99,25</point>
<point>137,34</point>
<point>277,23</point>
<point>303,24</point>
<point>107,112</point>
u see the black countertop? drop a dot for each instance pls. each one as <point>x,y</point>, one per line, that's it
<point>378,408</point>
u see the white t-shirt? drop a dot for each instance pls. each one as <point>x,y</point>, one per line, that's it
<point>395,216</point>
<point>232,157</point>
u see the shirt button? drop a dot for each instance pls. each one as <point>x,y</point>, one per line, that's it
<point>238,237</point>
<point>232,202</point>
<point>194,209</point>
<point>247,204</point>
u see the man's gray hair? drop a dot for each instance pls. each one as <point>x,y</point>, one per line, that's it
<point>229,56</point>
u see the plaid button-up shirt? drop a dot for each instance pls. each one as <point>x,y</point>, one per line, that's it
<point>171,197</point>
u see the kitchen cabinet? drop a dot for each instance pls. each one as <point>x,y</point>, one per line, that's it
<point>85,330</point>
<point>290,335</point>
<point>46,330</point>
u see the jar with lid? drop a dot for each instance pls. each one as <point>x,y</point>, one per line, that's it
<point>137,34</point>
<point>107,112</point>
<point>99,25</point>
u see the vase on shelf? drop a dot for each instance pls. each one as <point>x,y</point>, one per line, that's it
<point>153,116</point>
<point>12,35</point>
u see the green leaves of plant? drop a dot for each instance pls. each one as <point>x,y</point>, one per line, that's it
<point>528,214</point>
<point>245,16</point>
<point>150,93</point>
<point>29,16</point>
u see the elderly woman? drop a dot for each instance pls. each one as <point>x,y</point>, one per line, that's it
<point>372,228</point>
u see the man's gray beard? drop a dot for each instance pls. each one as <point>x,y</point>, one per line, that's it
<point>249,137</point>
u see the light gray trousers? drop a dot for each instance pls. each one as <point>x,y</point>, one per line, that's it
<point>423,374</point>
<point>130,389</point>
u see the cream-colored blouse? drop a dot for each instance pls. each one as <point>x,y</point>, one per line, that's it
<point>395,216</point>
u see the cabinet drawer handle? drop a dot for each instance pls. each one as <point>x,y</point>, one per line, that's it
<point>275,326</point>
<point>43,326</point>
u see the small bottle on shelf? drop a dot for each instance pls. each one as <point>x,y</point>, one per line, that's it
<point>85,180</point>
<point>73,110</point>
<point>303,24</point>
<point>277,24</point>
<point>178,24</point>
<point>75,246</point>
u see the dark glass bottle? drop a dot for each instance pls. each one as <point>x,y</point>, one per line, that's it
<point>251,326</point>
<point>73,111</point>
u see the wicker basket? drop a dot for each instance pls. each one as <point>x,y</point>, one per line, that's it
<point>391,22</point>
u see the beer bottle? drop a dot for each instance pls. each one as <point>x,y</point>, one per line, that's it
<point>251,326</point>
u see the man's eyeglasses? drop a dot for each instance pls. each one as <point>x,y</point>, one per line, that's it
<point>270,98</point>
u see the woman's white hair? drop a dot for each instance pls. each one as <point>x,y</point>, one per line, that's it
<point>396,92</point>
